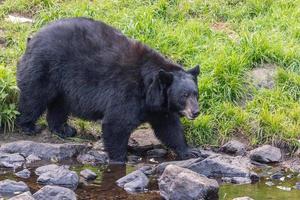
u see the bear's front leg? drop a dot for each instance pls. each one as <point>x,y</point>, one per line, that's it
<point>168,130</point>
<point>117,128</point>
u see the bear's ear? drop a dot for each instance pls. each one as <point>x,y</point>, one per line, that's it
<point>156,95</point>
<point>194,71</point>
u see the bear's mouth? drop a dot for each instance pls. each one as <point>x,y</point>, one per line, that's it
<point>188,114</point>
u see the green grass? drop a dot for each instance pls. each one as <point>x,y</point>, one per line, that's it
<point>227,38</point>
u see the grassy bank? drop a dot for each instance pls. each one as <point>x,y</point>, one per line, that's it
<point>227,38</point>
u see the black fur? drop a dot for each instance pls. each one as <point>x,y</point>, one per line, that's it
<point>88,69</point>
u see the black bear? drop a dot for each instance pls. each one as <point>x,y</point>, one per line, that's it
<point>88,69</point>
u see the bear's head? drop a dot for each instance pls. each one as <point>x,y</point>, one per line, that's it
<point>175,91</point>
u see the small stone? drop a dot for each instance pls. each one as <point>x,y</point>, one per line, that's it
<point>297,186</point>
<point>54,193</point>
<point>136,181</point>
<point>48,168</point>
<point>284,188</point>
<point>266,154</point>
<point>236,180</point>
<point>61,177</point>
<point>282,179</point>
<point>9,188</point>
<point>32,158</point>
<point>269,183</point>
<point>156,153</point>
<point>142,140</point>
<point>93,157</point>
<point>243,198</point>
<point>23,196</point>
<point>13,160</point>
<point>234,147</point>
<point>88,174</point>
<point>25,173</point>
<point>277,175</point>
<point>133,159</point>
<point>18,19</point>
<point>177,183</point>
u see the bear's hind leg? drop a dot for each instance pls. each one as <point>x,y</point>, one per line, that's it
<point>57,117</point>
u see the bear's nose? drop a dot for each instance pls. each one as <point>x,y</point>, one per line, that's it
<point>195,113</point>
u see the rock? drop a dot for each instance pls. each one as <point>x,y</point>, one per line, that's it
<point>18,19</point>
<point>88,174</point>
<point>297,153</point>
<point>269,183</point>
<point>277,175</point>
<point>23,196</point>
<point>44,151</point>
<point>243,198</point>
<point>263,76</point>
<point>98,145</point>
<point>156,153</point>
<point>217,166</point>
<point>136,181</point>
<point>93,157</point>
<point>13,160</point>
<point>48,168</point>
<point>177,183</point>
<point>25,173</point>
<point>32,158</point>
<point>266,154</point>
<point>234,147</point>
<point>284,188</point>
<point>236,180</point>
<point>61,177</point>
<point>9,188</point>
<point>293,164</point>
<point>133,159</point>
<point>148,170</point>
<point>143,140</point>
<point>54,193</point>
<point>297,186</point>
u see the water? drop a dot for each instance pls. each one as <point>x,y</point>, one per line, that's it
<point>104,186</point>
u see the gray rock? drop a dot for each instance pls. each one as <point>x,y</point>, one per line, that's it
<point>13,160</point>
<point>9,188</point>
<point>243,198</point>
<point>177,183</point>
<point>133,159</point>
<point>234,147</point>
<point>54,193</point>
<point>48,168</point>
<point>277,175</point>
<point>269,183</point>
<point>297,186</point>
<point>44,151</point>
<point>136,181</point>
<point>23,196</point>
<point>61,177</point>
<point>217,166</point>
<point>266,154</point>
<point>93,157</point>
<point>236,180</point>
<point>292,164</point>
<point>156,153</point>
<point>143,140</point>
<point>88,174</point>
<point>32,158</point>
<point>147,170</point>
<point>25,173</point>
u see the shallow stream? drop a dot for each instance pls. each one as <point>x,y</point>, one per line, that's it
<point>104,186</point>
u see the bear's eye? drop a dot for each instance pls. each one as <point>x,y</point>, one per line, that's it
<point>185,94</point>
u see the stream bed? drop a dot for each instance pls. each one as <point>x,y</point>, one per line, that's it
<point>104,186</point>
